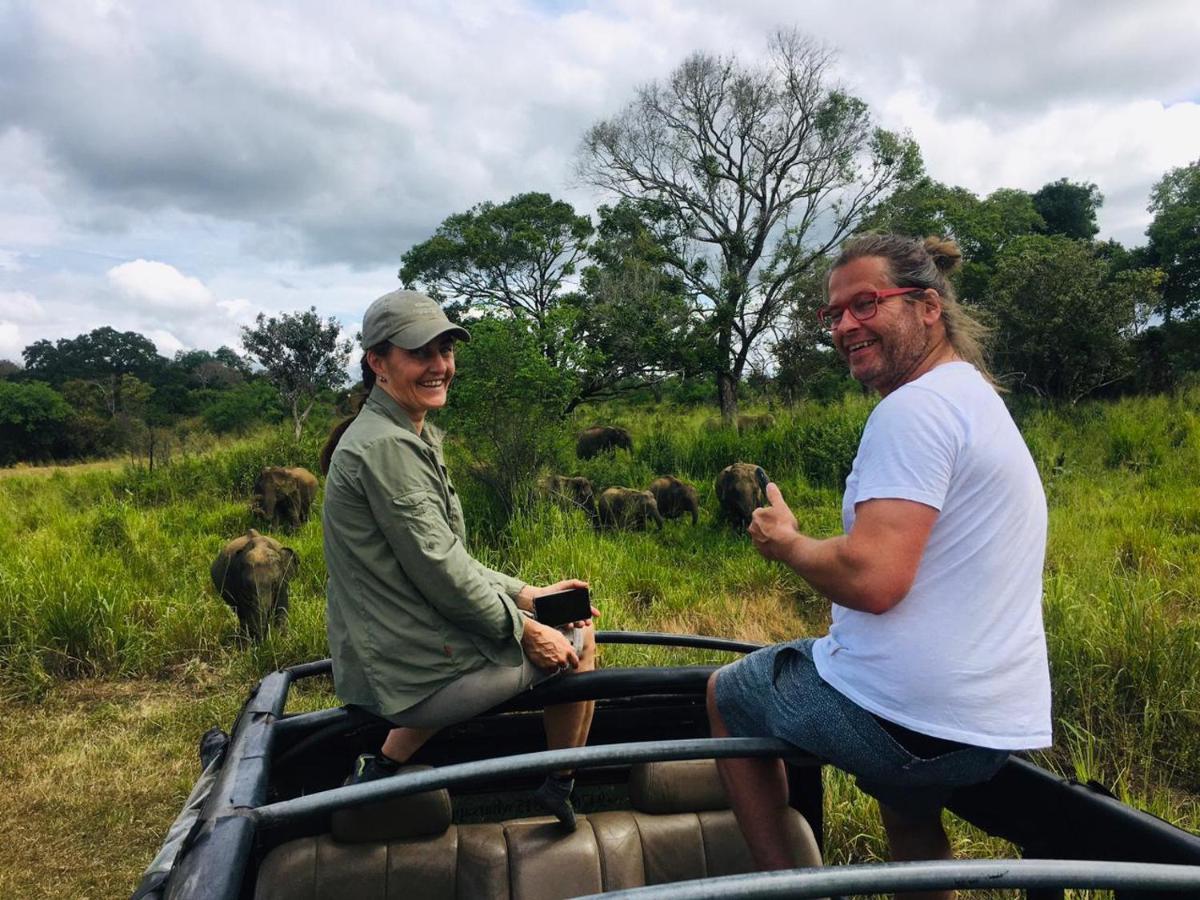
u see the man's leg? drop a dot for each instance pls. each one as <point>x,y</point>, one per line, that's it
<point>758,794</point>
<point>915,838</point>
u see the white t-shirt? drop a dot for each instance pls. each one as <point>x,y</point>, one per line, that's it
<point>963,655</point>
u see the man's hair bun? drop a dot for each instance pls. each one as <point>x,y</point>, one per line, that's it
<point>945,254</point>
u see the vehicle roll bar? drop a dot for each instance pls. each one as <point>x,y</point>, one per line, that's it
<point>884,878</point>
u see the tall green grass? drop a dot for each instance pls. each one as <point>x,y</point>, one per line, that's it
<point>107,573</point>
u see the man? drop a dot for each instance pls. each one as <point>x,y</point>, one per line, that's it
<point>935,664</point>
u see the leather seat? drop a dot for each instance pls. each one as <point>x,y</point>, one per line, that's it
<point>680,828</point>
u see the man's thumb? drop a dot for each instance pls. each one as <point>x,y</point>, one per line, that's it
<point>774,497</point>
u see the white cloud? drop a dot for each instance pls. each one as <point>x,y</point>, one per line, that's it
<point>165,342</point>
<point>21,306</point>
<point>176,168</point>
<point>160,286</point>
<point>11,344</point>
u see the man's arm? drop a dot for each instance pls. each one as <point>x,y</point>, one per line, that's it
<point>871,569</point>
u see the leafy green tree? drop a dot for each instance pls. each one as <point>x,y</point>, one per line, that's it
<point>1062,321</point>
<point>514,257</point>
<point>763,170</point>
<point>1069,208</point>
<point>102,353</point>
<point>982,227</point>
<point>240,408</point>
<point>300,355</point>
<point>1175,240</point>
<point>507,402</point>
<point>806,364</point>
<point>33,421</point>
<point>8,367</point>
<point>632,315</point>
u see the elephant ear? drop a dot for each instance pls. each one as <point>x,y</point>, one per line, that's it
<point>292,566</point>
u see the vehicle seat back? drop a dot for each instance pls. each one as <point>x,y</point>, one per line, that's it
<point>680,828</point>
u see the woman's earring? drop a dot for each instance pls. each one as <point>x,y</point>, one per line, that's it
<point>381,380</point>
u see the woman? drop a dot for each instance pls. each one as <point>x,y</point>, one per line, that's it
<point>421,633</point>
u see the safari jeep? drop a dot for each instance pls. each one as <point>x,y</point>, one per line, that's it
<point>269,817</point>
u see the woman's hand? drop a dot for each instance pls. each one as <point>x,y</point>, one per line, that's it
<point>546,647</point>
<point>525,598</point>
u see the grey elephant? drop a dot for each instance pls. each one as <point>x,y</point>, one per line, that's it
<point>284,496</point>
<point>738,492</point>
<point>620,507</point>
<point>571,492</point>
<point>675,498</point>
<point>600,438</point>
<point>251,574</point>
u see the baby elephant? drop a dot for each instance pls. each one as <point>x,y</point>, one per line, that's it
<point>571,493</point>
<point>599,438</point>
<point>739,493</point>
<point>626,508</point>
<point>251,574</point>
<point>674,498</point>
<point>284,496</point>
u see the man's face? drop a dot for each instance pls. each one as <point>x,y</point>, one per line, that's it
<point>887,349</point>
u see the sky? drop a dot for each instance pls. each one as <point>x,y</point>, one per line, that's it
<point>175,168</point>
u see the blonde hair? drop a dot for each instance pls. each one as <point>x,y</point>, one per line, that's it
<point>926,264</point>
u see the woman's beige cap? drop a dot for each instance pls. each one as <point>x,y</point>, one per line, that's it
<point>408,319</point>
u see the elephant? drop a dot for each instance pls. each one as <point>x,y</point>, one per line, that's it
<point>755,423</point>
<point>571,493</point>
<point>621,507</point>
<point>599,438</point>
<point>674,498</point>
<point>251,574</point>
<point>739,493</point>
<point>284,496</point>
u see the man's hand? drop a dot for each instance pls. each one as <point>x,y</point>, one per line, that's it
<point>546,647</point>
<point>773,528</point>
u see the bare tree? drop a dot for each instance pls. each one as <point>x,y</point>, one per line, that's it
<point>764,169</point>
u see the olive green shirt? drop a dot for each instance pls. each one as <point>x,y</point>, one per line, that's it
<point>409,609</point>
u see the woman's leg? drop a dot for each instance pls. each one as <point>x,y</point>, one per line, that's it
<point>568,724</point>
<point>402,743</point>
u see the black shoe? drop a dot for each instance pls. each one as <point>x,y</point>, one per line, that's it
<point>554,796</point>
<point>369,767</point>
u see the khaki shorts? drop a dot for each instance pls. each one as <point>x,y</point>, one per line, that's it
<point>479,691</point>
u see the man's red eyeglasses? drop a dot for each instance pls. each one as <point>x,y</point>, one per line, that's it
<point>861,307</point>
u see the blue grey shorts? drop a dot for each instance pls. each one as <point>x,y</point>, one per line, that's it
<point>776,692</point>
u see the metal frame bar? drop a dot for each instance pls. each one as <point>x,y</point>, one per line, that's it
<point>879,878</point>
<point>313,806</point>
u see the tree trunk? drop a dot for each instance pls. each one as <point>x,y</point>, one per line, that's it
<point>727,396</point>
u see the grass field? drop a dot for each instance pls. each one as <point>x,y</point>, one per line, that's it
<point>115,654</point>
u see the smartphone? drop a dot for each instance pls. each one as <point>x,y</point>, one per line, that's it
<point>563,607</point>
<point>763,481</point>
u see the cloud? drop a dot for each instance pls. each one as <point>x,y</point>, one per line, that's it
<point>11,344</point>
<point>20,306</point>
<point>160,286</point>
<point>179,167</point>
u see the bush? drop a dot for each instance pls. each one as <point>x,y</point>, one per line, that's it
<point>242,408</point>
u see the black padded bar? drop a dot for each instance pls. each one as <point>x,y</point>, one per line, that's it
<point>693,641</point>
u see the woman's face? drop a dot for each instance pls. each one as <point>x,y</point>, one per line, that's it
<point>418,379</point>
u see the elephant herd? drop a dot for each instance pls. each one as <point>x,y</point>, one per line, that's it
<point>252,571</point>
<point>737,488</point>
